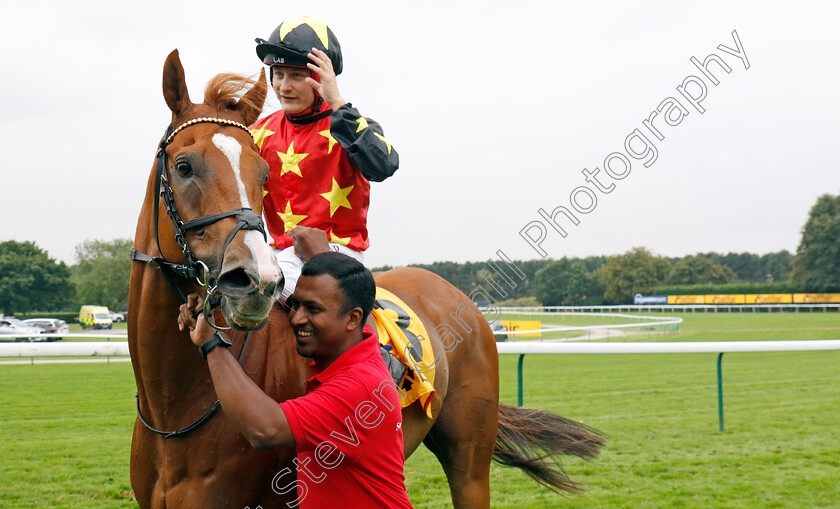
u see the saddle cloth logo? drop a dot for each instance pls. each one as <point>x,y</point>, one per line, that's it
<point>399,328</point>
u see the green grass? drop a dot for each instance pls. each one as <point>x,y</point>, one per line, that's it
<point>705,326</point>
<point>65,430</point>
<point>759,326</point>
<point>117,328</point>
<point>574,320</point>
<point>66,433</point>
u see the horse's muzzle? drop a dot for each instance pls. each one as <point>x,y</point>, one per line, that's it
<point>244,281</point>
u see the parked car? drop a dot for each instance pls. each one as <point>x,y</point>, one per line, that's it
<point>497,328</point>
<point>10,325</point>
<point>117,317</point>
<point>49,326</point>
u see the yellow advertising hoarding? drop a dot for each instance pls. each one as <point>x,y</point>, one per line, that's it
<point>769,298</point>
<point>757,298</point>
<point>816,298</point>
<point>724,299</point>
<point>686,299</point>
<point>517,325</point>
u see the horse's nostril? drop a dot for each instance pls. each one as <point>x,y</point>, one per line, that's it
<point>234,281</point>
<point>270,288</point>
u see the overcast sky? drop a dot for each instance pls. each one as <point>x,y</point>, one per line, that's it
<point>495,108</point>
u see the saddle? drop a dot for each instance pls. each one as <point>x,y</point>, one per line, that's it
<point>406,349</point>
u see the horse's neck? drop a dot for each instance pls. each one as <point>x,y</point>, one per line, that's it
<point>166,364</point>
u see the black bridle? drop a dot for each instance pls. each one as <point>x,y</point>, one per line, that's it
<point>195,269</point>
<point>246,219</point>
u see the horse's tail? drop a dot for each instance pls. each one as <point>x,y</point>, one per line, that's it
<point>533,440</point>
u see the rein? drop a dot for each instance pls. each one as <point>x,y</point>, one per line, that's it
<point>194,269</point>
<point>204,418</point>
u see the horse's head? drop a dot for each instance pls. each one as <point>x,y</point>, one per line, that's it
<point>216,175</point>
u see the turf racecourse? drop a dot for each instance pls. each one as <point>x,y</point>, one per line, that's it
<point>65,429</point>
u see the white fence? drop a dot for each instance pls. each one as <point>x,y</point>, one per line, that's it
<point>120,348</point>
<point>719,347</point>
<point>544,347</point>
<point>659,323</point>
<point>68,349</point>
<point>103,348</point>
<point>45,337</point>
<point>681,308</point>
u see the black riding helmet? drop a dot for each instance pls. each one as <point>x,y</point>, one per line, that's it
<point>293,39</point>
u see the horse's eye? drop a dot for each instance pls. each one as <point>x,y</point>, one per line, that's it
<point>183,168</point>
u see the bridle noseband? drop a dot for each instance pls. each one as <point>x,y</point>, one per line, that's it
<point>246,219</point>
<point>194,269</point>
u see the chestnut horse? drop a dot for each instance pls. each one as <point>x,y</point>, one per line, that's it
<point>209,172</point>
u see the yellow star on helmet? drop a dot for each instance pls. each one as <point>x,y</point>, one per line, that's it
<point>383,140</point>
<point>362,124</point>
<point>326,134</point>
<point>337,197</point>
<point>260,134</point>
<point>291,160</point>
<point>290,220</point>
<point>339,240</point>
<point>319,27</point>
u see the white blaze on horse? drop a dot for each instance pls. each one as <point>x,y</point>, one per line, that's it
<point>200,230</point>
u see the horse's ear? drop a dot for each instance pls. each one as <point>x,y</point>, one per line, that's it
<point>175,85</point>
<point>250,105</point>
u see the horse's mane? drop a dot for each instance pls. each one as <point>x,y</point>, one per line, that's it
<point>225,90</point>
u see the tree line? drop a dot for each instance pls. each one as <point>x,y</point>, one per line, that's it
<point>616,279</point>
<point>596,280</point>
<point>30,280</point>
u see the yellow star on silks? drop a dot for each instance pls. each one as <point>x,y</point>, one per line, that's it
<point>326,134</point>
<point>265,192</point>
<point>337,197</point>
<point>291,160</point>
<point>383,140</point>
<point>319,27</point>
<point>290,220</point>
<point>362,124</point>
<point>260,134</point>
<point>339,240</point>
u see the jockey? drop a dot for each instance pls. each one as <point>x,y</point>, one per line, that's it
<point>322,153</point>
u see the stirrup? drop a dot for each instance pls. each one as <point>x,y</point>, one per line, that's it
<point>395,367</point>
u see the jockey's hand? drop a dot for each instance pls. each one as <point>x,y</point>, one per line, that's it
<point>308,241</point>
<point>328,87</point>
<point>200,330</point>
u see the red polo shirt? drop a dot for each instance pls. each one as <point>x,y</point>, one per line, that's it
<point>348,434</point>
